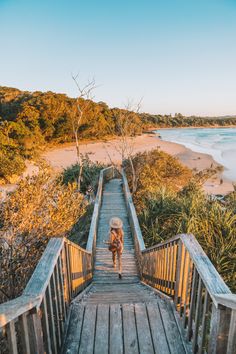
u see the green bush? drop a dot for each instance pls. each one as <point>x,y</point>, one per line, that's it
<point>90,174</point>
<point>10,164</point>
<point>169,200</point>
<point>214,226</point>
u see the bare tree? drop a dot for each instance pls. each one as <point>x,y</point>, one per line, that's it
<point>126,127</point>
<point>84,92</point>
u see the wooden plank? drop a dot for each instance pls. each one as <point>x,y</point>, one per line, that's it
<point>12,309</point>
<point>102,330</point>
<point>55,309</point>
<point>66,284</point>
<point>35,333</point>
<point>72,342</point>
<point>50,311</point>
<point>178,280</point>
<point>88,330</point>
<point>202,347</point>
<point>192,304</point>
<point>69,269</point>
<point>62,288</point>
<point>11,338</point>
<point>187,293</point>
<point>143,329</point>
<point>24,334</point>
<point>228,300</point>
<point>171,329</point>
<point>129,326</point>
<point>116,333</point>
<point>157,330</point>
<point>197,316</point>
<point>45,326</point>
<point>219,329</point>
<point>232,334</point>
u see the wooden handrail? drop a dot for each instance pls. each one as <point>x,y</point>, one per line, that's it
<point>104,174</point>
<point>13,309</point>
<point>62,272</point>
<point>41,311</point>
<point>42,274</point>
<point>180,269</point>
<point>209,275</point>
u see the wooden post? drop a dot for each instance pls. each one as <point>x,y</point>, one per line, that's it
<point>35,332</point>
<point>11,338</point>
<point>231,348</point>
<point>219,331</point>
<point>24,333</point>
<point>178,274</point>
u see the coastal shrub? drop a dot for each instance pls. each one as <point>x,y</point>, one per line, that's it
<point>10,164</point>
<point>154,170</point>
<point>169,200</point>
<point>40,208</point>
<point>167,214</point>
<point>90,174</point>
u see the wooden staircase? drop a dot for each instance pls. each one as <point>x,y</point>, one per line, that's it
<point>170,299</point>
<point>120,316</point>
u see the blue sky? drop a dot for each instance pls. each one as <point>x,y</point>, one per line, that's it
<point>179,55</point>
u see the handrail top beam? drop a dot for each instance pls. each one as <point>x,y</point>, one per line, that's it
<point>40,278</point>
<point>134,218</point>
<point>12,309</point>
<point>208,273</point>
<point>227,300</point>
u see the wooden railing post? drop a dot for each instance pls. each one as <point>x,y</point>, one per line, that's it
<point>11,338</point>
<point>35,332</point>
<point>232,334</point>
<point>219,331</point>
<point>178,274</point>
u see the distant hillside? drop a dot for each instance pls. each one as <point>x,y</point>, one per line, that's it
<point>32,120</point>
<point>178,120</point>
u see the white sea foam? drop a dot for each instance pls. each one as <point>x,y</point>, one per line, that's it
<point>220,143</point>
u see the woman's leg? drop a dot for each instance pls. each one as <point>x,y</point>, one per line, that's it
<point>119,263</point>
<point>114,258</point>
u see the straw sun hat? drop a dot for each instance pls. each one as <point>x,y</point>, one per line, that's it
<point>116,223</point>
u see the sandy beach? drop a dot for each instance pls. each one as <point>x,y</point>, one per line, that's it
<point>109,152</point>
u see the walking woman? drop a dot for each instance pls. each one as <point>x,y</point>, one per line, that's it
<point>116,242</point>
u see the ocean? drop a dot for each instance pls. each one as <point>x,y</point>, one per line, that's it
<point>220,143</point>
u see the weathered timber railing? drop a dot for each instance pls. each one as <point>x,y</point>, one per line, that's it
<point>35,321</point>
<point>105,174</point>
<point>180,269</point>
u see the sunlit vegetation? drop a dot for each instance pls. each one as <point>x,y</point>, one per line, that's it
<point>170,201</point>
<point>43,206</point>
<point>30,121</point>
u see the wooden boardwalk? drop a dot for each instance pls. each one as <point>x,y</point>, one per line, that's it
<point>174,302</point>
<point>120,316</point>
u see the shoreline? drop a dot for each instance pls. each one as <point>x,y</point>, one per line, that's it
<point>107,152</point>
<point>194,127</point>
